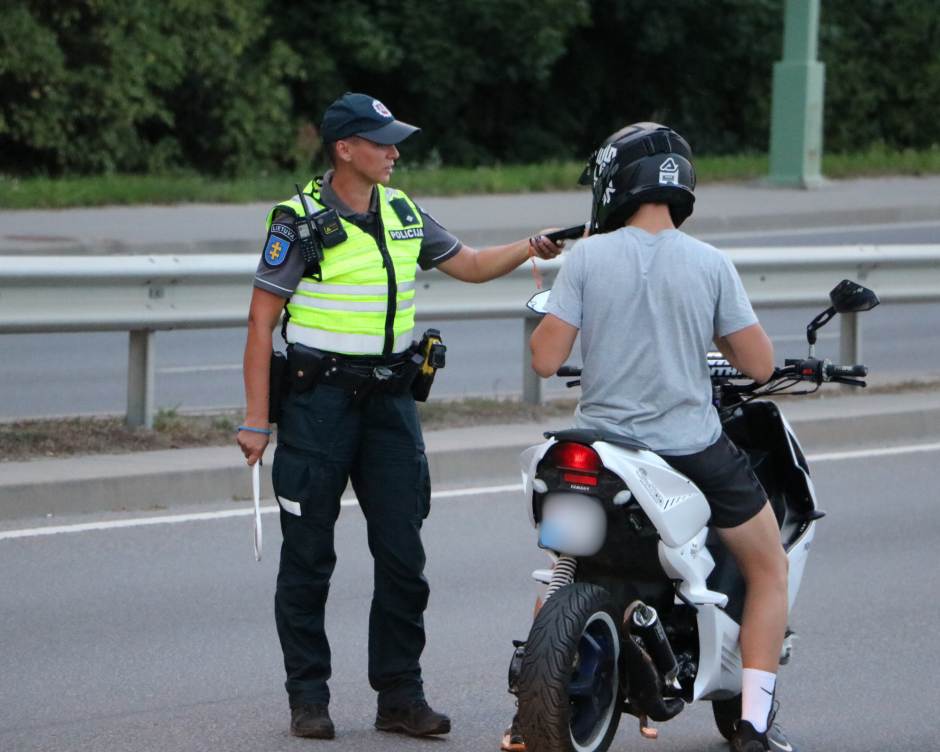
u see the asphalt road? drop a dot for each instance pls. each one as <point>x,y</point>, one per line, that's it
<point>161,638</point>
<point>64,374</point>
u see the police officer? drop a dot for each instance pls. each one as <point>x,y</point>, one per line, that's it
<point>349,326</point>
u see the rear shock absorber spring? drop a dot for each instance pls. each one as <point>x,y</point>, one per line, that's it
<point>562,574</point>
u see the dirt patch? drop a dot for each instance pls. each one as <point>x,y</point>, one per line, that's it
<point>73,437</point>
<point>33,439</point>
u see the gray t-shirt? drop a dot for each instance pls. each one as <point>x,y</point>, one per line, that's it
<point>648,307</point>
<point>283,275</point>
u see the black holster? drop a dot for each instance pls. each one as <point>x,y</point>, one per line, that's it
<point>278,385</point>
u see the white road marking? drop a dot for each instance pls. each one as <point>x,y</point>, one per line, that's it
<point>883,452</point>
<point>196,516</point>
<point>200,369</point>
<point>352,501</point>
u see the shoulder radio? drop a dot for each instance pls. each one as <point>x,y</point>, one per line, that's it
<point>322,229</point>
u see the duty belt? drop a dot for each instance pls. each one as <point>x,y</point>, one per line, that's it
<point>364,376</point>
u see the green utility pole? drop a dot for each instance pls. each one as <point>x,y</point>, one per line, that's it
<point>796,117</point>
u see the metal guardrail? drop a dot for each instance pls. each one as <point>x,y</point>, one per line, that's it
<point>145,294</point>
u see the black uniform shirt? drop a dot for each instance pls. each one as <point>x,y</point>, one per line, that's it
<point>281,278</point>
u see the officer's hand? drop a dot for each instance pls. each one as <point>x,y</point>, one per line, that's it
<point>544,248</point>
<point>252,445</point>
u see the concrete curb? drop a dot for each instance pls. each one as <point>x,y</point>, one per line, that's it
<point>483,455</point>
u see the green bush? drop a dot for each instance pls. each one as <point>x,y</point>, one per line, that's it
<point>104,86</point>
<point>882,74</point>
<point>226,87</point>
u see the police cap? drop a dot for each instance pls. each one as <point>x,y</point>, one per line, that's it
<point>362,115</point>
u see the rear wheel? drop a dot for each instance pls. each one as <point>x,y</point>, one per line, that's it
<point>569,683</point>
<point>727,713</point>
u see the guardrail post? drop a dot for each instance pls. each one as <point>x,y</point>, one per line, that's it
<point>531,381</point>
<point>140,378</point>
<point>850,342</point>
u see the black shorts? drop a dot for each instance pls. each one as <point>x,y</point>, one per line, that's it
<point>723,473</point>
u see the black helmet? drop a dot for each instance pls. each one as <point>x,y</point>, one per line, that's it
<point>644,163</point>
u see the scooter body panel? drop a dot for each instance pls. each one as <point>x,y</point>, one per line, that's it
<point>719,666</point>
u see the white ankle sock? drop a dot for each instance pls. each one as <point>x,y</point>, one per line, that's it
<point>757,697</point>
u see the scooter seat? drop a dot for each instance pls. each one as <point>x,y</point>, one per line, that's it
<point>590,435</point>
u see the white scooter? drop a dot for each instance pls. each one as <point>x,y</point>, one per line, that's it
<point>643,603</point>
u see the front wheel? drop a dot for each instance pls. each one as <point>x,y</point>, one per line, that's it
<point>569,684</point>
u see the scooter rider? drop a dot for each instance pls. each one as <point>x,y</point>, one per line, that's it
<point>648,300</point>
<point>348,413</point>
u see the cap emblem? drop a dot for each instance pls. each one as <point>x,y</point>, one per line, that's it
<point>381,108</point>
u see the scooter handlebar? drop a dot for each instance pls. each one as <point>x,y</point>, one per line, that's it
<point>834,371</point>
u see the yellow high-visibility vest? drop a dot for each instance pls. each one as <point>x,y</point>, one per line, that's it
<point>364,303</point>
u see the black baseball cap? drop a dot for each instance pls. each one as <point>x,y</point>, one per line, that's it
<point>362,115</point>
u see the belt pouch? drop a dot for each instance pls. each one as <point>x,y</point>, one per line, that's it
<point>306,367</point>
<point>278,383</point>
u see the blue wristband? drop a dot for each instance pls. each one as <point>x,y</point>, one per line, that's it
<point>254,430</point>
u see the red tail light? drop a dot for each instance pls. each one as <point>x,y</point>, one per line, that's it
<point>577,457</point>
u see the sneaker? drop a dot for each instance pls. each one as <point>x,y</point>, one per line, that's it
<point>311,722</point>
<point>414,718</point>
<point>746,739</point>
<point>512,738</point>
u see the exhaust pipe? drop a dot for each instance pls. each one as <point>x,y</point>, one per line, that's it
<point>645,675</point>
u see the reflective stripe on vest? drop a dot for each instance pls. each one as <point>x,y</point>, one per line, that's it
<point>351,311</point>
<point>363,344</point>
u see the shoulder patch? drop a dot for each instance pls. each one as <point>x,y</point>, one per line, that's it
<point>284,231</point>
<point>404,212</point>
<point>277,247</point>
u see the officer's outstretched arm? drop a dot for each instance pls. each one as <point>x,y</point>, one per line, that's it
<point>472,265</point>
<point>263,316</point>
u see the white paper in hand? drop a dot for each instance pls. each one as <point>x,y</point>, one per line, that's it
<point>256,489</point>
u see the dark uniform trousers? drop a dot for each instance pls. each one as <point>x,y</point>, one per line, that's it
<point>324,438</point>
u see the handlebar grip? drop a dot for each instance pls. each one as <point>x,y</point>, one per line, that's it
<point>833,371</point>
<point>569,371</point>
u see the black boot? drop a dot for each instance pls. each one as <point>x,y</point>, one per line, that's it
<point>413,718</point>
<point>311,722</point>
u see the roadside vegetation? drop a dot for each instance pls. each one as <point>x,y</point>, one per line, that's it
<point>58,193</point>
<point>74,437</point>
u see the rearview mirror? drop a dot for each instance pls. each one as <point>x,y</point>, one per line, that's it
<point>849,297</point>
<point>538,302</point>
<point>846,297</point>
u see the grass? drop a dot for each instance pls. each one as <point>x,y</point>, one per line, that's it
<point>53,193</point>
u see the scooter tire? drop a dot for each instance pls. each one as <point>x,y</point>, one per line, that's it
<point>727,714</point>
<point>574,642</point>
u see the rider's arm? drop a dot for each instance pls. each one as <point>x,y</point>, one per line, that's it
<point>551,345</point>
<point>262,318</point>
<point>472,265</point>
<point>750,351</point>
